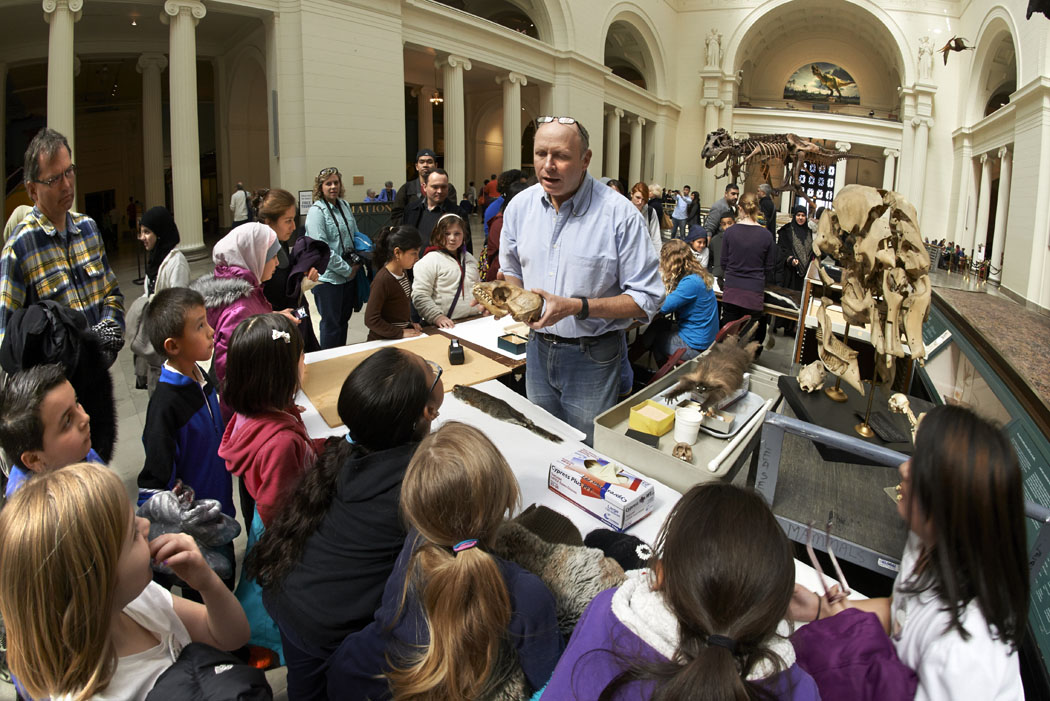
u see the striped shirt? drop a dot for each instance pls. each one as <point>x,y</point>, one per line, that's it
<point>38,263</point>
<point>406,285</point>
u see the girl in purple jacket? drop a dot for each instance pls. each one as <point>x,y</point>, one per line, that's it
<point>700,623</point>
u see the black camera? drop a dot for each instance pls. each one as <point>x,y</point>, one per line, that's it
<point>354,258</point>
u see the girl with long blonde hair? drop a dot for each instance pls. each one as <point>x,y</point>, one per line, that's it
<point>456,622</point>
<point>691,298</point>
<point>84,618</point>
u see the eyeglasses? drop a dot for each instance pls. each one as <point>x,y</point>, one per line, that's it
<point>70,172</point>
<point>559,120</point>
<point>325,172</point>
<point>437,375</point>
<point>540,121</point>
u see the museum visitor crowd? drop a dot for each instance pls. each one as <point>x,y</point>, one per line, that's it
<point>385,562</point>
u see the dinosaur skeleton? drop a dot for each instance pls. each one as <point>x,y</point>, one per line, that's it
<point>789,149</point>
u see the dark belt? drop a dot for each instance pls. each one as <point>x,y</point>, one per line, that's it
<point>579,341</point>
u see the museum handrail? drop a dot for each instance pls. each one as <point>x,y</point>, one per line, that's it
<point>1022,390</point>
<point>832,108</point>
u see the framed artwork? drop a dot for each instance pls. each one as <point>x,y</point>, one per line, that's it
<point>822,82</point>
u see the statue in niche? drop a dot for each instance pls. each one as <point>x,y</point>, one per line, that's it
<point>714,48</point>
<point>925,59</point>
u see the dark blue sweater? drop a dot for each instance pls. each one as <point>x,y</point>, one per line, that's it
<point>533,633</point>
<point>183,430</point>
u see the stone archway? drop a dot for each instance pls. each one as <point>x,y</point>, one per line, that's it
<point>995,68</point>
<point>632,49</point>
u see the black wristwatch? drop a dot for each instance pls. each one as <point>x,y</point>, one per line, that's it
<point>585,310</point>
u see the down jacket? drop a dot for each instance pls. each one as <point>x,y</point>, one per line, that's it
<point>231,295</point>
<point>437,277</point>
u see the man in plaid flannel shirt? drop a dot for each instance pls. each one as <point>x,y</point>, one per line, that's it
<point>55,253</point>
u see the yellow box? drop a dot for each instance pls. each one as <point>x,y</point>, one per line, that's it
<point>651,417</point>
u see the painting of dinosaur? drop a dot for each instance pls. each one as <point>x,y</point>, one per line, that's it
<point>833,84</point>
<point>820,81</point>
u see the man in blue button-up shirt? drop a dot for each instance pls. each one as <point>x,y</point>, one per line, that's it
<point>585,249</point>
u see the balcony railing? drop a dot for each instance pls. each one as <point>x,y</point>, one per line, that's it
<point>822,108</point>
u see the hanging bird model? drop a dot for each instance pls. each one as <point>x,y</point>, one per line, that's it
<point>956,43</point>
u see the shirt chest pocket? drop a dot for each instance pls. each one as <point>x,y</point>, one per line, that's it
<point>93,269</point>
<point>53,284</point>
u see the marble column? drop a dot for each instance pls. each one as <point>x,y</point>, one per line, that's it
<point>455,119</point>
<point>512,84</point>
<point>182,17</point>
<point>889,170</point>
<point>922,143</point>
<point>907,160</point>
<point>659,138</point>
<point>984,201</point>
<point>1002,208</point>
<point>634,168</point>
<point>150,66</point>
<point>425,128</point>
<point>612,143</point>
<point>61,15</point>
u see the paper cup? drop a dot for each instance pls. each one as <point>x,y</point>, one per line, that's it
<point>686,424</point>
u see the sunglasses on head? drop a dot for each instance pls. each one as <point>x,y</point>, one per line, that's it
<point>325,172</point>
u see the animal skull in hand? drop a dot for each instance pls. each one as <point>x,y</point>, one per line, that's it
<point>502,298</point>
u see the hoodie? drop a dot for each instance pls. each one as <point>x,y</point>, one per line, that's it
<point>633,623</point>
<point>338,582</point>
<point>270,452</point>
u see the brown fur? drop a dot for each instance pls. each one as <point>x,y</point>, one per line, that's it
<point>720,371</point>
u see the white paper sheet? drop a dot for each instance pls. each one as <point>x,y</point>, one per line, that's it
<point>485,332</point>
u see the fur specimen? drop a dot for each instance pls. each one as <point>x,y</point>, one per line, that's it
<point>719,372</point>
<point>499,409</point>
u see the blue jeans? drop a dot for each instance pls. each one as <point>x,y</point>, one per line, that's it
<point>574,381</point>
<point>670,341</point>
<point>677,225</point>
<point>335,304</point>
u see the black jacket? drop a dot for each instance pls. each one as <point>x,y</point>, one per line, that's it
<point>338,582</point>
<point>409,193</point>
<point>419,216</point>
<point>203,673</point>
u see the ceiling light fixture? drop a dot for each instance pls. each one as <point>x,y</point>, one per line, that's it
<point>134,23</point>
<point>436,98</point>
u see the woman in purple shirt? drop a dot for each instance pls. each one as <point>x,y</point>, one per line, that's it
<point>748,260</point>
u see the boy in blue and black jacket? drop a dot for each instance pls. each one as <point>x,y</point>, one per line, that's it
<point>183,423</point>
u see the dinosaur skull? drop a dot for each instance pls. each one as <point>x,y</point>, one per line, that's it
<point>683,451</point>
<point>716,148</point>
<point>811,377</point>
<point>501,299</point>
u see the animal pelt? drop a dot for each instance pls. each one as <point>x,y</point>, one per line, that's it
<point>48,332</point>
<point>222,291</point>
<point>574,574</point>
<point>719,372</point>
<point>1037,6</point>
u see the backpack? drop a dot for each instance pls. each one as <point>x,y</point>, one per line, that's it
<point>203,673</point>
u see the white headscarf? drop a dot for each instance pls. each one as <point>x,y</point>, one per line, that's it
<point>248,246</point>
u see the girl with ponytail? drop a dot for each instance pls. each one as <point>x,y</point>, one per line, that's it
<point>701,623</point>
<point>456,622</point>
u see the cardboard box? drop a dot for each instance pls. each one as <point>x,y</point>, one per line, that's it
<point>512,343</point>
<point>619,506</point>
<point>651,417</point>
